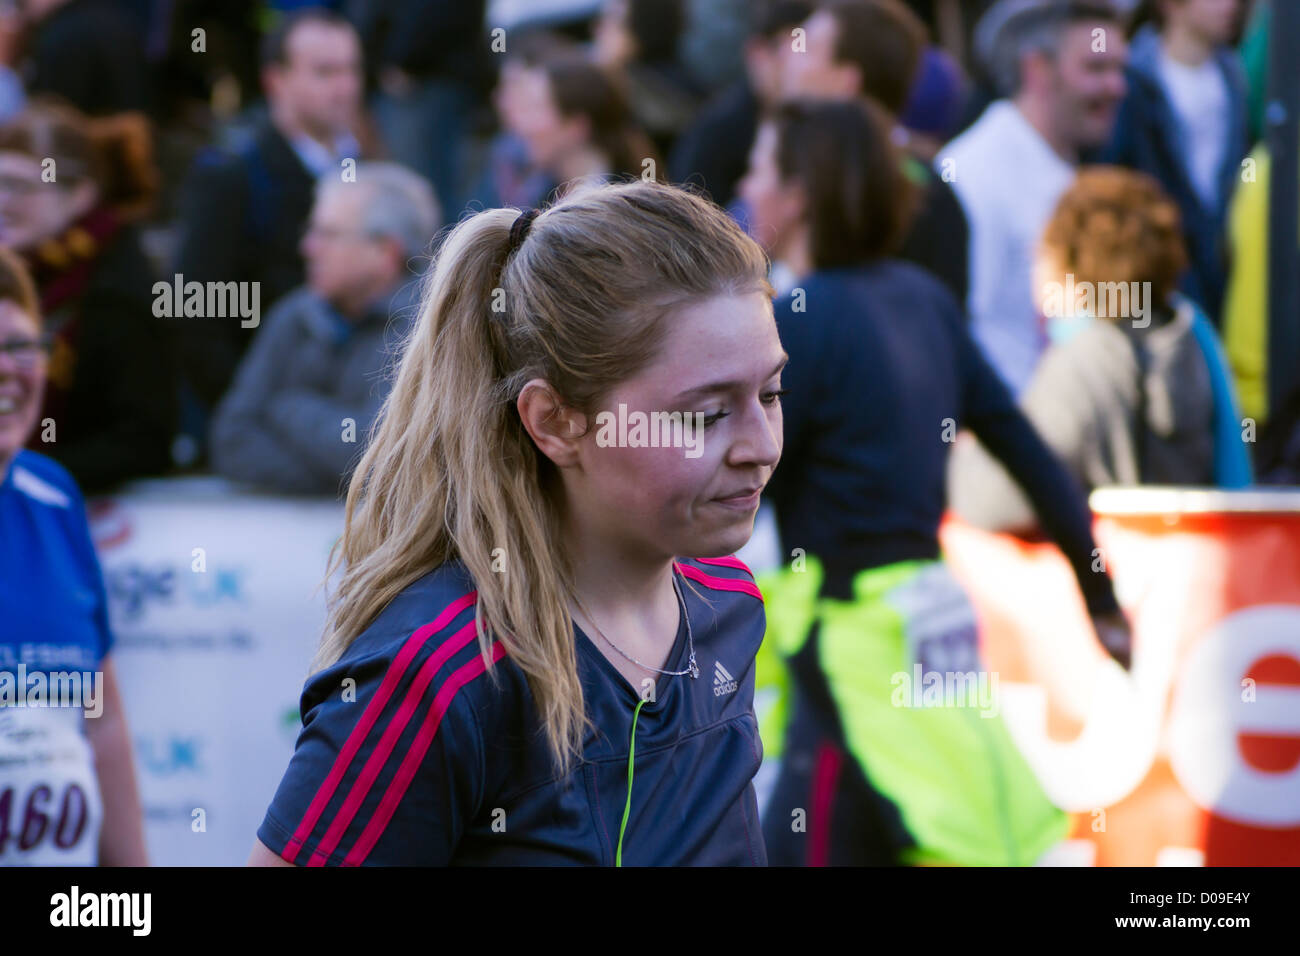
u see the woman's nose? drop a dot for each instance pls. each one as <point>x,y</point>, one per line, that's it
<point>760,441</point>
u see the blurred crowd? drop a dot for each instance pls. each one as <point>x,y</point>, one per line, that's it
<point>227,206</point>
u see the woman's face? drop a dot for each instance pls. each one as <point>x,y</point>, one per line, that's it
<point>507,95</point>
<point>698,497</point>
<point>547,134</point>
<point>32,210</point>
<point>22,379</point>
<point>776,208</point>
<point>1214,20</point>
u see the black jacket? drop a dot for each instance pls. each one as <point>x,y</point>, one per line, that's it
<point>111,386</point>
<point>938,236</point>
<point>242,220</point>
<point>713,152</point>
<point>1148,137</point>
<point>429,39</point>
<point>89,53</point>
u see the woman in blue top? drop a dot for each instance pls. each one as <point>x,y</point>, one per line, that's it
<point>894,752</point>
<point>521,666</point>
<point>68,794</point>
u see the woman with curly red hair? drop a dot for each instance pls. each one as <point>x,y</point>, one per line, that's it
<point>1134,389</point>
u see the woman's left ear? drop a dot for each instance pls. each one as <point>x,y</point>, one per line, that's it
<point>556,428</point>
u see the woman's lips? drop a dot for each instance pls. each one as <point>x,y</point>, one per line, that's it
<point>744,501</point>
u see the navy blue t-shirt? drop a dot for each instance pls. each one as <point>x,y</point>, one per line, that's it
<point>431,762</point>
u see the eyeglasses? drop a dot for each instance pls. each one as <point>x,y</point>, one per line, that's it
<point>26,353</point>
<point>21,185</point>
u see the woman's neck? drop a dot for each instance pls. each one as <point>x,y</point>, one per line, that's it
<point>628,596</point>
<point>581,163</point>
<point>1039,114</point>
<point>1184,46</point>
<point>618,584</point>
<point>796,252</point>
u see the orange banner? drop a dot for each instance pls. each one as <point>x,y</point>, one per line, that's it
<point>1194,756</point>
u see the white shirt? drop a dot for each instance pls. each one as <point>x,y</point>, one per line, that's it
<point>1008,180</point>
<point>317,158</point>
<point>1200,100</point>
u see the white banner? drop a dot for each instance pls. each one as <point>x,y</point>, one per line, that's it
<point>216,608</point>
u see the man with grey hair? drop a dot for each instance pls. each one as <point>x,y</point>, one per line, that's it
<point>1060,66</point>
<point>297,415</point>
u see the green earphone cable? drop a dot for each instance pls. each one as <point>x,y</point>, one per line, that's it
<point>631,753</point>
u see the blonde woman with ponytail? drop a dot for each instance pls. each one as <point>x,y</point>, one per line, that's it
<point>539,649</point>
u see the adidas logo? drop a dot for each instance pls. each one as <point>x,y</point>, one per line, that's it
<point>723,683</point>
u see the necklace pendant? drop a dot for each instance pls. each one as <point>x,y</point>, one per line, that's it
<point>695,668</point>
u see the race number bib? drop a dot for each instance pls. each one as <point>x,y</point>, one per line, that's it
<point>938,622</point>
<point>50,805</point>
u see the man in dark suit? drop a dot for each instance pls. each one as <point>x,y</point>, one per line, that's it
<point>713,152</point>
<point>244,212</point>
<point>874,48</point>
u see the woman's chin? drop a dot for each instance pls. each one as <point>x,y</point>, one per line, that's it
<point>725,541</point>
<point>14,429</point>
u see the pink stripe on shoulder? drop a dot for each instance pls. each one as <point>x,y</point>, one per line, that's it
<point>720,584</point>
<point>410,764</point>
<point>730,561</point>
<point>394,674</point>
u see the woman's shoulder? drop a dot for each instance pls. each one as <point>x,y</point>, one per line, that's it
<point>887,287</point>
<point>52,524</point>
<point>437,610</point>
<point>426,635</point>
<point>734,609</point>
<point>726,574</point>
<point>429,613</point>
<point>856,280</point>
<point>43,480</point>
<point>910,276</point>
<point>815,304</point>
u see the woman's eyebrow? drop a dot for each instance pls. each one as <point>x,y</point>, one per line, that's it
<point>731,385</point>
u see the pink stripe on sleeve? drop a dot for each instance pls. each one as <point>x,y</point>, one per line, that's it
<point>384,748</point>
<point>406,772</point>
<point>396,670</point>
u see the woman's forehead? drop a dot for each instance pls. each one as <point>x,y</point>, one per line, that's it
<point>722,338</point>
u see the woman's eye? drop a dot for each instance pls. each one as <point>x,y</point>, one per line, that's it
<point>714,418</point>
<point>768,398</point>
